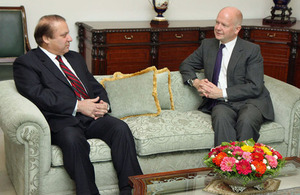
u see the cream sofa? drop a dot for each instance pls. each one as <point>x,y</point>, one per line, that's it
<point>173,140</point>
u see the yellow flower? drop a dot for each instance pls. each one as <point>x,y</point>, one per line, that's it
<point>266,150</point>
<point>246,148</point>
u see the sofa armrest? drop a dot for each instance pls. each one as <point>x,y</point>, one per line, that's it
<point>27,138</point>
<point>286,102</point>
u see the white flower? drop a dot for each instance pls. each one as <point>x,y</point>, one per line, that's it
<point>236,161</point>
<point>276,157</point>
<point>229,152</point>
<point>268,167</point>
<point>212,156</point>
<point>253,167</point>
<point>239,158</point>
<point>265,161</point>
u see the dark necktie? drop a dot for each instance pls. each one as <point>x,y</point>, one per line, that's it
<point>76,84</point>
<point>212,102</point>
<point>217,68</point>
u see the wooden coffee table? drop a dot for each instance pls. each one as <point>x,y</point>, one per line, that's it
<point>199,178</point>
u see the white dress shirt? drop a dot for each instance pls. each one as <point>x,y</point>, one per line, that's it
<point>227,51</point>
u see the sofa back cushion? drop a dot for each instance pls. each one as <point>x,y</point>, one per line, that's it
<point>182,97</point>
<point>185,98</point>
<point>133,94</point>
<point>164,90</point>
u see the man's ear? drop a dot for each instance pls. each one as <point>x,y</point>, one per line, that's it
<point>237,29</point>
<point>45,39</point>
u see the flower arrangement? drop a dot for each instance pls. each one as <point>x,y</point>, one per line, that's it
<point>246,160</point>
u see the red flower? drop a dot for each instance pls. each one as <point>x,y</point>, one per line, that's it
<point>277,154</point>
<point>243,167</point>
<point>257,156</point>
<point>237,151</point>
<point>222,148</point>
<point>218,159</point>
<point>259,144</point>
<point>258,150</point>
<point>260,167</point>
<point>214,151</point>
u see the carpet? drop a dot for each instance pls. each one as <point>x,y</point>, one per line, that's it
<point>290,191</point>
<point>218,187</point>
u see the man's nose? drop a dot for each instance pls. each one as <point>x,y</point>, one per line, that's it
<point>70,38</point>
<point>217,26</point>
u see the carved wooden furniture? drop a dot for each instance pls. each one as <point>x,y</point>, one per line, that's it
<point>131,46</point>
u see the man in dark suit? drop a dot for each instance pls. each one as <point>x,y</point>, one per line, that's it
<point>75,105</point>
<point>234,95</point>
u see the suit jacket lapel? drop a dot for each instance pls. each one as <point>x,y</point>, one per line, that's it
<point>48,63</point>
<point>235,55</point>
<point>212,60</point>
<point>76,68</point>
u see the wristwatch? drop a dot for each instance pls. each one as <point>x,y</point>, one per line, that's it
<point>190,82</point>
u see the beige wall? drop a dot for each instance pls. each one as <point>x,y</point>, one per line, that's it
<point>122,10</point>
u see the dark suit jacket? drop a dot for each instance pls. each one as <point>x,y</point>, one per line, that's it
<point>38,79</point>
<point>245,73</point>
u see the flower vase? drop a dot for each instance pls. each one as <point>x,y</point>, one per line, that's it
<point>237,184</point>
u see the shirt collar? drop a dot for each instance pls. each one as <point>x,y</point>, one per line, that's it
<point>49,54</point>
<point>230,44</point>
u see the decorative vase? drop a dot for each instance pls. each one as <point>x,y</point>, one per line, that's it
<point>280,14</point>
<point>237,184</point>
<point>284,11</point>
<point>160,6</point>
<point>281,3</point>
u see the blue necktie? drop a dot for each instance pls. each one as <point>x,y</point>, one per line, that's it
<point>212,102</point>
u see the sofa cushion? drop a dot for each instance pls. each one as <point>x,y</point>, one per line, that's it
<point>271,132</point>
<point>134,94</point>
<point>171,131</point>
<point>100,152</point>
<point>164,91</point>
<point>185,97</point>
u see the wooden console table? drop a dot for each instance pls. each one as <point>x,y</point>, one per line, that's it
<point>132,46</point>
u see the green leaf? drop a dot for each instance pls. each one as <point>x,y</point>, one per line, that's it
<point>225,144</point>
<point>250,142</point>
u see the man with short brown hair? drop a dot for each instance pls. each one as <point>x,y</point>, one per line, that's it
<point>75,106</point>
